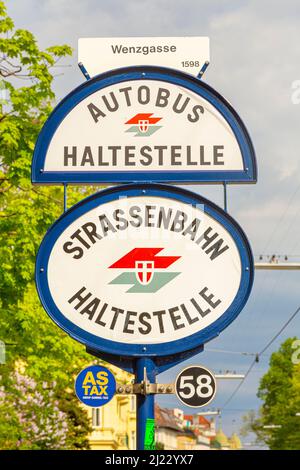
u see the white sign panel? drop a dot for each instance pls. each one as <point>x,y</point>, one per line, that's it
<point>183,53</point>
<point>137,126</point>
<point>142,270</point>
<point>143,125</point>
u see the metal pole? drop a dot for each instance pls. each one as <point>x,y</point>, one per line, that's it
<point>65,197</point>
<point>278,266</point>
<point>204,67</point>
<point>229,376</point>
<point>84,71</point>
<point>145,369</point>
<point>225,196</point>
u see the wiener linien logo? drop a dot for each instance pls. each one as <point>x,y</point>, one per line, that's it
<point>144,270</point>
<point>143,124</point>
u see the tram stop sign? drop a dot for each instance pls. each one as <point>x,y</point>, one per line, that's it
<point>144,270</point>
<point>195,386</point>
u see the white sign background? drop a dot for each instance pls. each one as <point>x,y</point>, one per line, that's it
<point>78,129</point>
<point>97,54</point>
<point>67,275</point>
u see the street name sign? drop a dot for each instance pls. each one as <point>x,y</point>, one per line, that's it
<point>188,54</point>
<point>144,269</point>
<point>195,386</point>
<point>144,124</point>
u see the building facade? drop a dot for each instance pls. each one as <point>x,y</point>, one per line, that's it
<point>114,425</point>
<point>167,428</point>
<point>171,433</point>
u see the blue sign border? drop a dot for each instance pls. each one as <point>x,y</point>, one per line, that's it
<point>164,349</point>
<point>247,175</point>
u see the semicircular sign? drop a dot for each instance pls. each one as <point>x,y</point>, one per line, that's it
<point>144,270</point>
<point>142,124</point>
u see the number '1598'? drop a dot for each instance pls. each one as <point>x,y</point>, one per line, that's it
<point>190,63</point>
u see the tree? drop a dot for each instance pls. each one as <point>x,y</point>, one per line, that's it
<point>280,392</point>
<point>26,212</point>
<point>34,418</point>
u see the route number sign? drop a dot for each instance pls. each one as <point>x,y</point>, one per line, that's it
<point>195,386</point>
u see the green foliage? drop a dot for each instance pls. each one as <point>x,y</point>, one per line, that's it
<point>26,212</point>
<point>280,392</point>
<point>78,423</point>
<point>49,353</point>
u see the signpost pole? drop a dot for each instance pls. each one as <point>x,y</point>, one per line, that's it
<point>225,196</point>
<point>65,197</point>
<point>145,370</point>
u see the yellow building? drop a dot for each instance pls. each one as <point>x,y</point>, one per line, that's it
<point>186,440</point>
<point>114,424</point>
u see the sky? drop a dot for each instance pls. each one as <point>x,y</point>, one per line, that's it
<point>255,59</point>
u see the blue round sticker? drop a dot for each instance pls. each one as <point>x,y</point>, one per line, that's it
<point>95,386</point>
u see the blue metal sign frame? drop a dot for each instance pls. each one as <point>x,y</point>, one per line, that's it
<point>247,175</point>
<point>146,350</point>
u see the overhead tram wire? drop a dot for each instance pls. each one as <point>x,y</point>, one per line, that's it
<point>239,385</point>
<point>295,248</point>
<point>277,280</point>
<point>287,231</point>
<point>281,279</point>
<point>277,225</point>
<point>225,351</point>
<point>279,255</point>
<point>279,332</point>
<point>281,217</point>
<point>258,356</point>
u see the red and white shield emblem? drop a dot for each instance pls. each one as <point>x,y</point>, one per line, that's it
<point>143,125</point>
<point>144,271</point>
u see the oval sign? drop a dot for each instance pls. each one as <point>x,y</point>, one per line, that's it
<point>144,270</point>
<point>144,124</point>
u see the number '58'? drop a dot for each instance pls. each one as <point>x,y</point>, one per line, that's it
<point>203,388</point>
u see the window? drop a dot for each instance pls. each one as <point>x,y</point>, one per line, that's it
<point>96,417</point>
